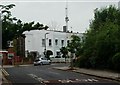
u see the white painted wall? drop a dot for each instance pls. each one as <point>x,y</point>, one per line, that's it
<point>33,40</point>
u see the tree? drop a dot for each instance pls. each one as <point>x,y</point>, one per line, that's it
<point>75,48</point>
<point>64,51</point>
<point>116,61</point>
<point>101,41</point>
<point>75,45</point>
<point>6,23</point>
<point>13,27</point>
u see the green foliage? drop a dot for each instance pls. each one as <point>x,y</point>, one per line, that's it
<point>64,51</point>
<point>116,61</point>
<point>102,40</point>
<point>83,62</point>
<point>75,45</point>
<point>13,27</point>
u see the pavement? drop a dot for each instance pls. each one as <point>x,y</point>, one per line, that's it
<point>91,72</point>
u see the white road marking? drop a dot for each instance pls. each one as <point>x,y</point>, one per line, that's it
<point>90,80</point>
<point>5,72</point>
<point>62,80</point>
<point>36,77</point>
<point>77,80</point>
<point>94,80</point>
<point>87,80</point>
<point>46,81</point>
<point>40,79</point>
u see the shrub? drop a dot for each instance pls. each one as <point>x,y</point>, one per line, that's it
<point>116,61</point>
<point>84,62</point>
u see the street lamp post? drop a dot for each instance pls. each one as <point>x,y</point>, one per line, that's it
<point>45,44</point>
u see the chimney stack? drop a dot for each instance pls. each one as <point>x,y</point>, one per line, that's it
<point>64,29</point>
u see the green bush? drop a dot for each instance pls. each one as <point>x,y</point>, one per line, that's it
<point>116,61</point>
<point>84,62</point>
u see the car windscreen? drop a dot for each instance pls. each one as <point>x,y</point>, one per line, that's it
<point>43,58</point>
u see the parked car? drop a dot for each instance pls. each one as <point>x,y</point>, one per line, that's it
<point>41,61</point>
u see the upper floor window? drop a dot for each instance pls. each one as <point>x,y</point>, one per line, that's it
<point>62,42</point>
<point>50,42</point>
<point>68,41</point>
<point>43,42</point>
<point>56,41</point>
<point>10,43</point>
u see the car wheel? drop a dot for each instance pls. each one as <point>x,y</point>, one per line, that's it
<point>41,63</point>
<point>49,63</point>
<point>35,65</point>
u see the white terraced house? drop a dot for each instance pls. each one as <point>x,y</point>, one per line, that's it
<point>39,40</point>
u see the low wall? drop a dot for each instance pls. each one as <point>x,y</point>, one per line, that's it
<point>60,60</point>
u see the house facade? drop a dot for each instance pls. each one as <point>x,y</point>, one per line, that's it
<point>15,51</point>
<point>40,40</point>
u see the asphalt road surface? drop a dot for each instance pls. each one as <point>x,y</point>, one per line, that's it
<point>46,75</point>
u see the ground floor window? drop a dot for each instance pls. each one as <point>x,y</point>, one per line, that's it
<point>58,54</point>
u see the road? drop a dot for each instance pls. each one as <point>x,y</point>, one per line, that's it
<point>46,75</point>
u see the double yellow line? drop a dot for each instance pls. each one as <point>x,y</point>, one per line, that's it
<point>4,72</point>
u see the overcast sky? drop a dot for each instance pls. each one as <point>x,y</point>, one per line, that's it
<point>52,12</point>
